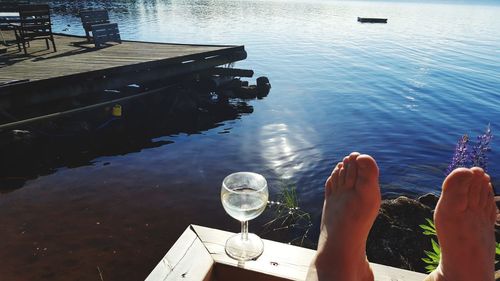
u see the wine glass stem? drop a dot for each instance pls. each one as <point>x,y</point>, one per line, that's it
<point>244,230</point>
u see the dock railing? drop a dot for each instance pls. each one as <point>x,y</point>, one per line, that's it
<point>199,254</point>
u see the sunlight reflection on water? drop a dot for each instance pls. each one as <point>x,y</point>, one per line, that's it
<point>287,152</point>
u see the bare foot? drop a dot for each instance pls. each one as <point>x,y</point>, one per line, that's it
<point>465,217</point>
<point>352,200</point>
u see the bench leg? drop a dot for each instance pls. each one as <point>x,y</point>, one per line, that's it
<point>53,43</point>
<point>3,39</point>
<point>24,47</point>
<point>18,39</point>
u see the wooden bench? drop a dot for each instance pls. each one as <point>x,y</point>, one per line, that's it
<point>199,254</point>
<point>34,24</point>
<point>104,33</point>
<point>93,17</point>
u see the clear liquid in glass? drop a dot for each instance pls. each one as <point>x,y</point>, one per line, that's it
<point>244,206</point>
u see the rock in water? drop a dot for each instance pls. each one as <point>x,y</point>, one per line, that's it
<point>263,86</point>
<point>429,199</point>
<point>396,238</point>
<point>249,92</point>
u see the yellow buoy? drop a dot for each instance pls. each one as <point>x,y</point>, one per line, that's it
<point>117,110</point>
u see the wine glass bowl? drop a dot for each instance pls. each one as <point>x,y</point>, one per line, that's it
<point>244,197</point>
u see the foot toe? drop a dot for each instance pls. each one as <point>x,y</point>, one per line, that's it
<point>332,182</point>
<point>485,191</point>
<point>490,201</point>
<point>351,170</point>
<point>456,189</point>
<point>458,182</point>
<point>367,167</point>
<point>475,188</point>
<point>343,172</point>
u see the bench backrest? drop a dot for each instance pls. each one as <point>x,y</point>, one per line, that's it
<point>91,17</point>
<point>107,32</point>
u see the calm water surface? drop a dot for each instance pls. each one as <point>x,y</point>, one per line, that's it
<point>403,92</point>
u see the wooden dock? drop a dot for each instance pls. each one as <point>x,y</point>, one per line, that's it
<point>199,255</point>
<point>78,68</point>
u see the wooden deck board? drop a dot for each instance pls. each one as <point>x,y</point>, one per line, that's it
<point>75,56</point>
<point>278,262</point>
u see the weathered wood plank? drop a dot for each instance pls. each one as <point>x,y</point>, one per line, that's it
<point>389,273</point>
<point>187,260</point>
<point>76,56</point>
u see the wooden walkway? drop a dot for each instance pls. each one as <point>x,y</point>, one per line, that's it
<point>75,56</point>
<point>78,68</point>
<point>199,255</point>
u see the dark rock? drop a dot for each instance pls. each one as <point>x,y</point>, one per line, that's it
<point>249,92</point>
<point>244,83</point>
<point>263,80</point>
<point>430,200</point>
<point>233,84</point>
<point>396,238</point>
<point>263,86</point>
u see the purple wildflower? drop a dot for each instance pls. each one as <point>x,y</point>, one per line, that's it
<point>478,156</point>
<point>461,156</point>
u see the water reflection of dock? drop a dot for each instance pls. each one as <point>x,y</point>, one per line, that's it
<point>68,96</point>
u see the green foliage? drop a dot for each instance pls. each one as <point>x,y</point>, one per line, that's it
<point>433,256</point>
<point>429,229</point>
<point>288,215</point>
<point>497,250</point>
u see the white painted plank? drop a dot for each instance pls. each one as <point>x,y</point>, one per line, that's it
<point>188,260</point>
<point>389,273</point>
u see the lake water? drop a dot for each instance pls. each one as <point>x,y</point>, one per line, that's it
<point>403,92</point>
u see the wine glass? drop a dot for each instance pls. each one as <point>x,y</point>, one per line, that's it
<point>244,197</point>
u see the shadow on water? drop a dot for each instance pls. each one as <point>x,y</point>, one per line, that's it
<point>42,148</point>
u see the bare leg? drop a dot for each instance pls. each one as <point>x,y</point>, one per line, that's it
<point>465,217</point>
<point>352,200</point>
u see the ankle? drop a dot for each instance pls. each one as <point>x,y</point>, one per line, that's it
<point>439,275</point>
<point>435,275</point>
<point>334,267</point>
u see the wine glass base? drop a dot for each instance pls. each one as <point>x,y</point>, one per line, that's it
<point>244,250</point>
